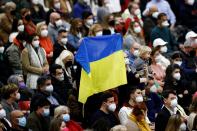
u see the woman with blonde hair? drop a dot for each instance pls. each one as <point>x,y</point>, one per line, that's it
<point>176,123</point>
<point>45,40</point>
<point>96,30</point>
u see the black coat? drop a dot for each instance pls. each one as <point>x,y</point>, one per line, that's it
<point>162,119</point>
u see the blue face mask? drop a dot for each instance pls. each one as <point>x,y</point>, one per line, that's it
<point>22,121</point>
<point>66,117</point>
<point>46,112</point>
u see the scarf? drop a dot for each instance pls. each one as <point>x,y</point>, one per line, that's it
<point>37,60</point>
<point>143,125</point>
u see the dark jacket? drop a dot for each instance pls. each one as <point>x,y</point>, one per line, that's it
<point>6,123</point>
<point>162,119</point>
<point>38,16</point>
<point>37,123</point>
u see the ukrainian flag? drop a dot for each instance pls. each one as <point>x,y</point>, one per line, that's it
<point>103,65</point>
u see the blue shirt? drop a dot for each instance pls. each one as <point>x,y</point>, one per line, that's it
<point>78,10</point>
<point>131,57</point>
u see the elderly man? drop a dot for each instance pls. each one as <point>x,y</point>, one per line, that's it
<point>55,24</point>
<point>18,120</point>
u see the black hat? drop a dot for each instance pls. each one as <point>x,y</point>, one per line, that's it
<point>86,14</point>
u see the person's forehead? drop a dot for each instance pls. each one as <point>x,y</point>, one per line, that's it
<point>171,95</point>
<point>110,99</point>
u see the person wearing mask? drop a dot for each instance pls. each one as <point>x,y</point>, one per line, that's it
<point>60,82</point>
<point>10,96</point>
<point>79,7</point>
<point>96,30</point>
<point>170,108</point>
<point>162,31</point>
<point>18,120</point>
<point>55,24</point>
<point>45,89</point>
<point>110,24</point>
<point>161,59</point>
<point>18,26</point>
<point>58,124</point>
<point>76,32</point>
<point>6,21</point>
<point>38,13</point>
<point>177,58</point>
<point>45,40</point>
<point>106,111</point>
<point>13,53</point>
<point>163,7</point>
<point>63,112</point>
<point>176,122</point>
<point>39,119</point>
<point>62,44</point>
<point>88,21</point>
<point>134,96</point>
<point>34,61</point>
<point>137,119</point>
<point>5,122</point>
<point>30,27</point>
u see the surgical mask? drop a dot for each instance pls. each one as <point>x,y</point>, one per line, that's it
<point>165,24</point>
<point>89,22</point>
<point>60,78</point>
<point>137,12</point>
<point>153,88</point>
<point>136,53</point>
<point>57,5</point>
<point>100,33</point>
<point>49,88</point>
<point>139,99</point>
<point>22,121</point>
<point>46,112</point>
<point>58,23</point>
<point>2,113</point>
<point>21,28</point>
<point>66,117</point>
<point>44,33</point>
<point>155,14</point>
<point>22,85</point>
<point>177,76</point>
<point>24,43</point>
<point>64,41</point>
<point>164,49</point>
<point>69,63</point>
<point>137,29</point>
<point>158,58</point>
<point>190,2</point>
<point>35,2</point>
<point>112,107</point>
<point>36,43</point>
<point>18,96</point>
<point>2,48</point>
<point>183,127</point>
<point>178,62</point>
<point>173,103</point>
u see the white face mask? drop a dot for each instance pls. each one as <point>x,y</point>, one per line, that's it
<point>165,24</point>
<point>163,49</point>
<point>137,29</point>
<point>139,99</point>
<point>58,23</point>
<point>190,2</point>
<point>137,12</point>
<point>2,48</point>
<point>153,89</point>
<point>44,33</point>
<point>49,88</point>
<point>183,127</point>
<point>178,62</point>
<point>100,33</point>
<point>24,44</point>
<point>57,5</point>
<point>35,2</point>
<point>136,53</point>
<point>112,107</point>
<point>89,22</point>
<point>2,113</point>
<point>21,28</point>
<point>64,41</point>
<point>158,58</point>
<point>155,14</point>
<point>18,96</point>
<point>36,43</point>
<point>177,76</point>
<point>174,103</point>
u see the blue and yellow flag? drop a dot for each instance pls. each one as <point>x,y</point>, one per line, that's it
<point>103,65</point>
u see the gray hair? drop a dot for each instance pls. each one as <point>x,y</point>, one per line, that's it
<point>13,79</point>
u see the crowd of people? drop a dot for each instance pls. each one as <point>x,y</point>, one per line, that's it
<point>40,78</point>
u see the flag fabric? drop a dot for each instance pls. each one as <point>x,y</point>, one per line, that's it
<point>103,65</point>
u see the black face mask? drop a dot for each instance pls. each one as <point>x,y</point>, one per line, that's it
<point>192,53</point>
<point>28,17</point>
<point>111,23</point>
<point>69,64</point>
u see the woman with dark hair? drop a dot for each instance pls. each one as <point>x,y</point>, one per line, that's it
<point>58,124</point>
